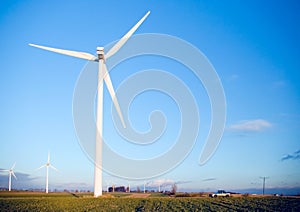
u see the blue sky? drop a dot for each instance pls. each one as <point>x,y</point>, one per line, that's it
<point>253,46</point>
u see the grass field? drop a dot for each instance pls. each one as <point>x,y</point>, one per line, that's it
<point>29,201</point>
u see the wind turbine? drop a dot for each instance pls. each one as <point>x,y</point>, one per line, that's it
<point>10,173</point>
<point>128,187</point>
<point>264,183</point>
<point>113,186</point>
<point>102,75</point>
<point>47,165</point>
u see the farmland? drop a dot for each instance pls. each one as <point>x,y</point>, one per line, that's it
<point>22,201</point>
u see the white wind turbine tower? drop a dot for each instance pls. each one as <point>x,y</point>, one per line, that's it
<point>10,173</point>
<point>47,165</point>
<point>113,185</point>
<point>102,75</point>
<point>128,187</point>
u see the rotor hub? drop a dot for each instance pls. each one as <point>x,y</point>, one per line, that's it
<point>100,53</point>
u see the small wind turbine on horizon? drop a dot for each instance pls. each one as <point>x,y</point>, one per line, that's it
<point>10,173</point>
<point>102,75</point>
<point>47,165</point>
<point>113,186</point>
<point>128,187</point>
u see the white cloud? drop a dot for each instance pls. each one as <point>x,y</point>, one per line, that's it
<point>161,182</point>
<point>165,182</point>
<point>256,125</point>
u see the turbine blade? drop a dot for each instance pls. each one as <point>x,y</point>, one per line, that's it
<point>123,40</point>
<point>13,166</point>
<point>48,157</point>
<point>81,55</point>
<point>14,175</point>
<point>41,166</point>
<point>112,93</point>
<point>53,168</point>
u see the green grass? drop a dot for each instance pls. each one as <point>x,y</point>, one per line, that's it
<point>21,201</point>
<point>155,194</point>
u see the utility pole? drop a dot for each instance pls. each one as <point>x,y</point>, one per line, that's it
<point>264,183</point>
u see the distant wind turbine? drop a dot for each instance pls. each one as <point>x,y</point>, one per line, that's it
<point>113,188</point>
<point>10,173</point>
<point>102,75</point>
<point>47,165</point>
<point>128,187</point>
<point>264,183</point>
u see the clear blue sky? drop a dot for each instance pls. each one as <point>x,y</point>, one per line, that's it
<point>253,45</point>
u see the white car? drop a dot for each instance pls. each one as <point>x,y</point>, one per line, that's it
<point>220,193</point>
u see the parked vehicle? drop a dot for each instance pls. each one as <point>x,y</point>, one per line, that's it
<point>220,193</point>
